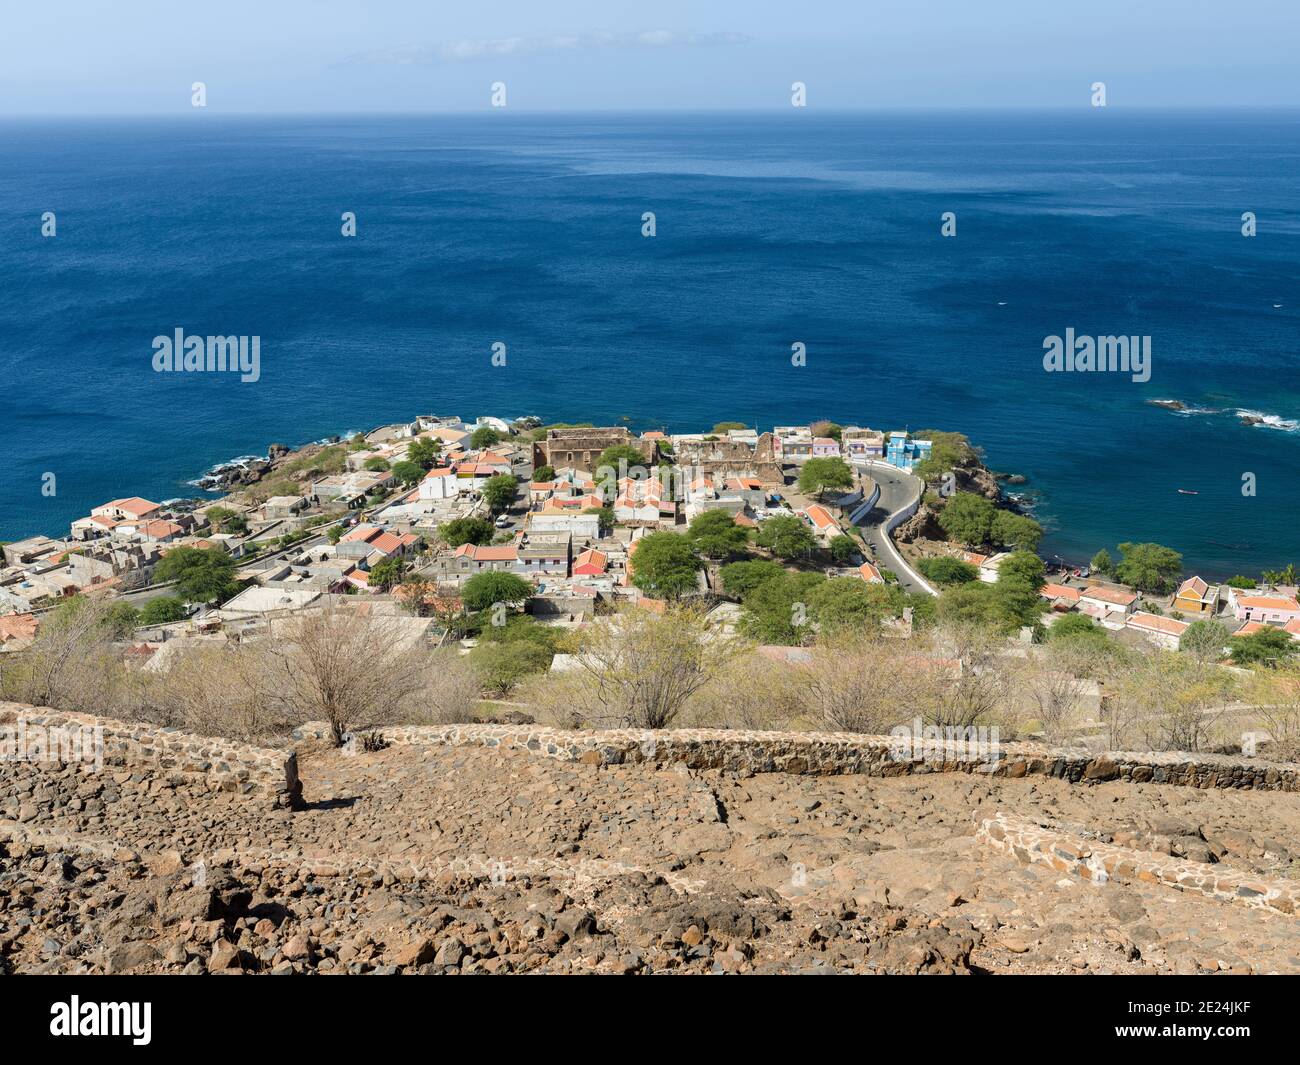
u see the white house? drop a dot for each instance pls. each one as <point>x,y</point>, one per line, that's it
<point>1163,632</point>
<point>439,483</point>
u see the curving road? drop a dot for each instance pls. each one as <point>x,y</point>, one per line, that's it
<point>898,490</point>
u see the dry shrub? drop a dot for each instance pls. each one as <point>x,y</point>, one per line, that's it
<point>1276,695</point>
<point>750,692</point>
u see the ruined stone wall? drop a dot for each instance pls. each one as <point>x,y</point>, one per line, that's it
<point>846,752</point>
<point>50,758</point>
<point>1066,852</point>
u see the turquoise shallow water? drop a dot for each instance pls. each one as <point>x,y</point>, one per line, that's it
<point>772,229</point>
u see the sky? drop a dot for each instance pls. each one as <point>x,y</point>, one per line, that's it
<point>79,57</point>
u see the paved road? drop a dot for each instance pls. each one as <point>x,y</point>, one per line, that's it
<point>897,490</point>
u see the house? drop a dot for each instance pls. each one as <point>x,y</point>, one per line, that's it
<point>1196,596</point>
<point>1108,605</point>
<point>547,553</point>
<point>824,525</point>
<point>17,630</point>
<point>904,452</point>
<point>469,559</point>
<point>471,476</point>
<point>1274,608</point>
<point>25,552</point>
<point>825,447</point>
<point>278,508</point>
<point>590,563</point>
<point>371,544</point>
<point>988,566</point>
<point>560,519</point>
<point>583,447</point>
<point>133,508</point>
<point>859,445</point>
<point>155,530</point>
<point>1059,596</point>
<point>792,443</point>
<point>870,574</point>
<point>1163,632</point>
<point>439,483</point>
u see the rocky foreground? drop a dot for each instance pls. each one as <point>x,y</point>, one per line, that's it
<point>472,860</point>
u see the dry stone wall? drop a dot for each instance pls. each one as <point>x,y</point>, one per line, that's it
<point>1093,860</point>
<point>845,752</point>
<point>50,757</point>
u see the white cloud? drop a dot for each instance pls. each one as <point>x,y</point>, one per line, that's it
<point>459,51</point>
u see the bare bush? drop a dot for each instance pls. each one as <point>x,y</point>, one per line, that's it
<point>71,665</point>
<point>1276,695</point>
<point>1162,701</point>
<point>855,683</point>
<point>1055,687</point>
<point>750,692</point>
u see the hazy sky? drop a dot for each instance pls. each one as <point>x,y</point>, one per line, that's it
<point>141,56</point>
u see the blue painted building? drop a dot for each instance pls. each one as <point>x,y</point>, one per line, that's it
<point>904,452</point>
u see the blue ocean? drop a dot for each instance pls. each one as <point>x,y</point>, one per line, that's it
<point>526,230</point>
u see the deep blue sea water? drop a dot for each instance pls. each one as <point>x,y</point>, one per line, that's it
<point>771,229</point>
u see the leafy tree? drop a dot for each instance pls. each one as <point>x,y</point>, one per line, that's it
<point>484,590</point>
<point>715,534</point>
<point>664,566</point>
<point>500,491</point>
<point>121,619</point>
<point>1023,566</point>
<point>424,451</point>
<point>843,550</point>
<point>1069,626</point>
<point>626,454</point>
<point>785,536</point>
<point>741,578</point>
<point>466,531</point>
<point>1205,639</point>
<point>967,518</point>
<point>501,666</point>
<point>948,450</point>
<point>842,602</point>
<point>1102,563</point>
<point>831,430</point>
<point>376,464</point>
<point>1150,567</point>
<point>408,473</point>
<point>202,575</point>
<point>484,436</point>
<point>162,611</point>
<point>722,428</point>
<point>605,514</point>
<point>1288,576</point>
<point>1266,647</point>
<point>777,610</point>
<point>817,475</point>
<point>1015,531</point>
<point>943,570</point>
<point>386,573</point>
<point>1240,582</point>
<point>335,533</point>
<point>544,473</point>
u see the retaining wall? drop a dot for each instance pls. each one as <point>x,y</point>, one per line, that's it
<point>843,752</point>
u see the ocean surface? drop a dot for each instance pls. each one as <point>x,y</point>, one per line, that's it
<point>771,230</point>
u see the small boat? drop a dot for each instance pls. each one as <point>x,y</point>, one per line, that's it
<point>1187,492</point>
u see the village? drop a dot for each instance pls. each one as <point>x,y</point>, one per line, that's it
<point>405,515</point>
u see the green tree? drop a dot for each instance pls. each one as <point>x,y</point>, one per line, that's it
<point>785,536</point>
<point>202,575</point>
<point>335,533</point>
<point>1023,566</point>
<point>722,428</point>
<point>544,473</point>
<point>1240,582</point>
<point>376,464</point>
<point>777,610</point>
<point>1150,567</point>
<point>408,473</point>
<point>466,531</point>
<point>817,475</point>
<point>849,602</point>
<point>500,491</point>
<point>1072,626</point>
<point>944,570</point>
<point>121,619</point>
<point>484,436</point>
<point>1263,647</point>
<point>715,534</point>
<point>626,454</point>
<point>386,573</point>
<point>741,578</point>
<point>162,611</point>
<point>225,520</point>
<point>1205,639</point>
<point>967,518</point>
<point>424,451</point>
<point>1102,563</point>
<point>664,566</point>
<point>843,550</point>
<point>605,514</point>
<point>484,590</point>
<point>1014,531</point>
<point>948,451</point>
<point>501,666</point>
